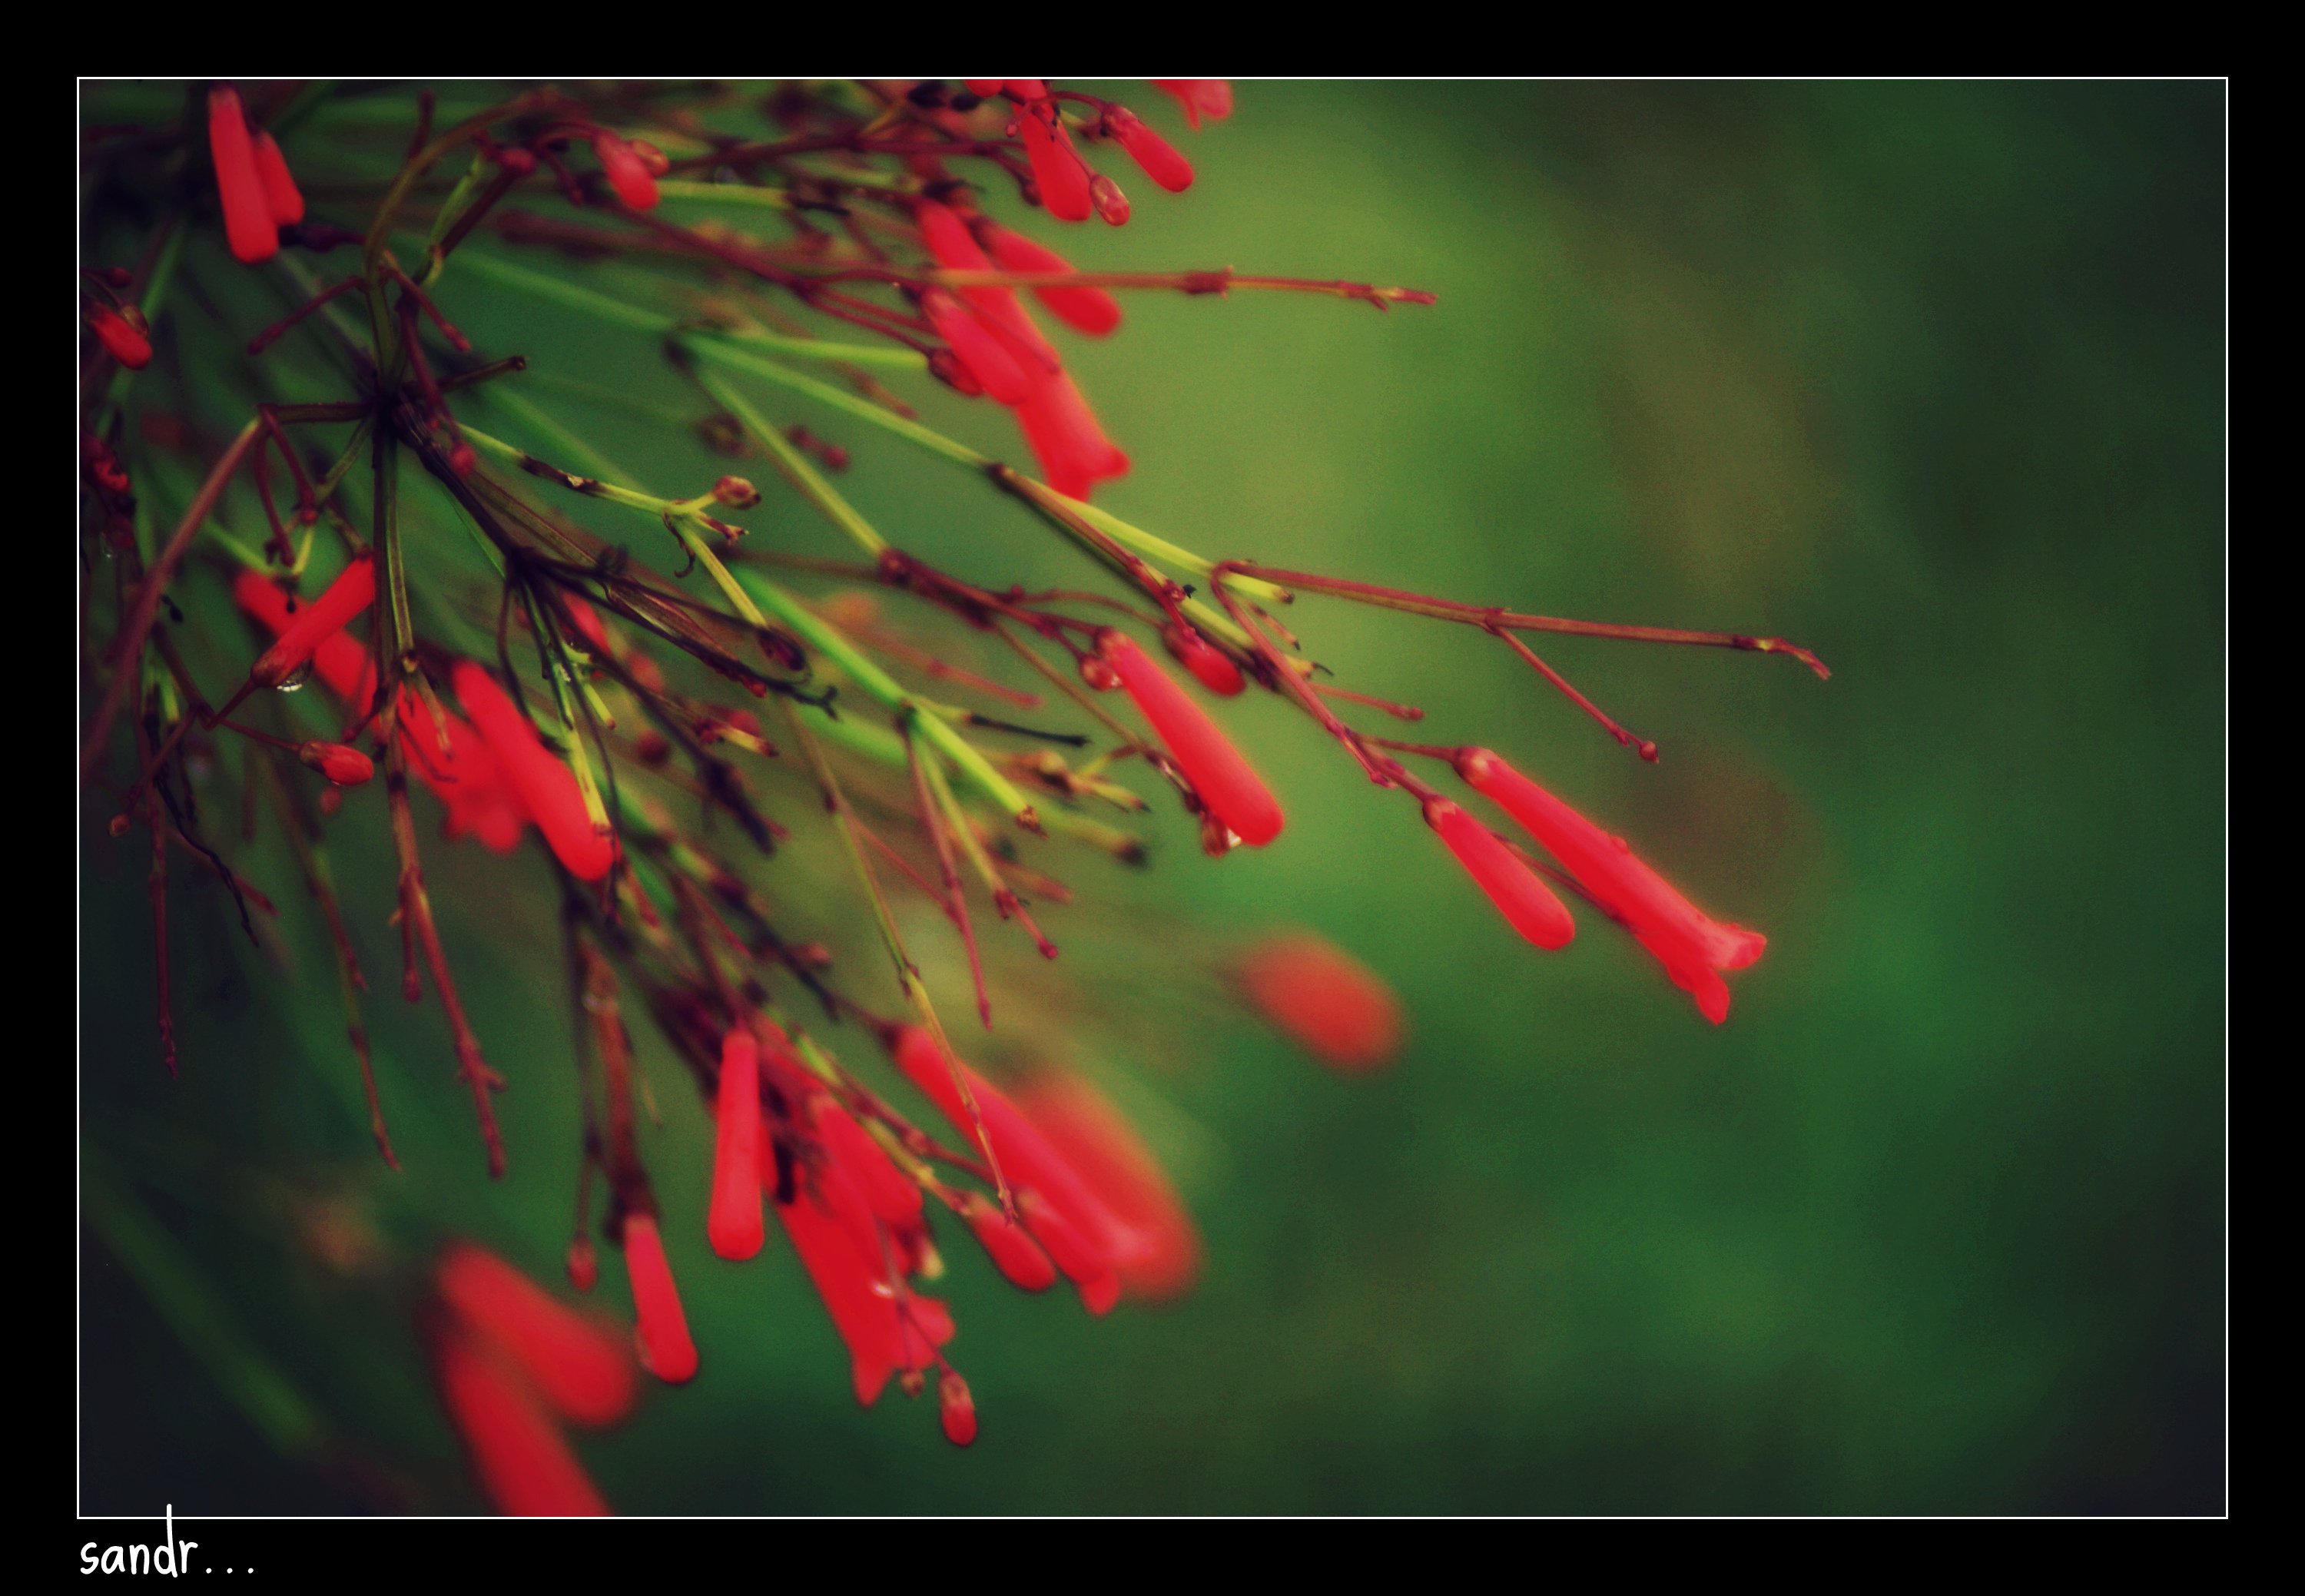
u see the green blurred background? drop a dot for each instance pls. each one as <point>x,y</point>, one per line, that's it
<point>1929,376</point>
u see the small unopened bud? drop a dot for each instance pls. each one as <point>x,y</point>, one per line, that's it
<point>584,1264</point>
<point>347,767</point>
<point>1208,664</point>
<point>735,493</point>
<point>955,1408</point>
<point>121,333</point>
<point>1098,674</point>
<point>949,369</point>
<point>1111,203</point>
<point>1149,149</point>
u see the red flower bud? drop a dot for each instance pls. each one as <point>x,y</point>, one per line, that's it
<point>955,1408</point>
<point>1324,999</point>
<point>546,787</point>
<point>1111,204</point>
<point>577,1361</point>
<point>1091,311</point>
<point>353,590</point>
<point>627,170</point>
<point>1211,666</point>
<point>584,1264</point>
<point>1149,149</point>
<point>247,222</point>
<point>1519,892</point>
<point>1056,169</point>
<point>347,767</point>
<point>282,197</point>
<point>666,1349</point>
<point>524,1464</point>
<point>1691,945</point>
<point>734,1224</point>
<point>1232,790</point>
<point>121,336</point>
<point>1200,96</point>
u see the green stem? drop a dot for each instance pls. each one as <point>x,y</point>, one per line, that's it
<point>796,468</point>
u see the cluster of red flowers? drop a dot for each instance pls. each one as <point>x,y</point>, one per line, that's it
<point>1043,1170</point>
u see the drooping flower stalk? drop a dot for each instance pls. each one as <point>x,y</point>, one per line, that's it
<point>860,215</point>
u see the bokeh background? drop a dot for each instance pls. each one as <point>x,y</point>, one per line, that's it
<point>1927,376</point>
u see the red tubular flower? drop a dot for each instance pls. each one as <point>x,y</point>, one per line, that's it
<point>1519,892</point>
<point>627,170</point>
<point>282,197</point>
<point>1200,96</point>
<point>338,660</point>
<point>888,1194</point>
<point>353,590</point>
<point>578,1362</point>
<point>1090,1134</point>
<point>954,246</point>
<point>464,775</point>
<point>734,1224</point>
<point>823,1220</point>
<point>1008,1244</point>
<point>121,336</point>
<point>247,223</point>
<point>1211,666</point>
<point>1233,792</point>
<point>1057,167</point>
<point>666,1349</point>
<point>545,785</point>
<point>1692,946</point>
<point>1149,149</point>
<point>347,767</point>
<point>983,87</point>
<point>1074,453</point>
<point>996,370</point>
<point>1084,1237</point>
<point>1324,999</point>
<point>1091,311</point>
<point>524,1464</point>
<point>955,1408</point>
